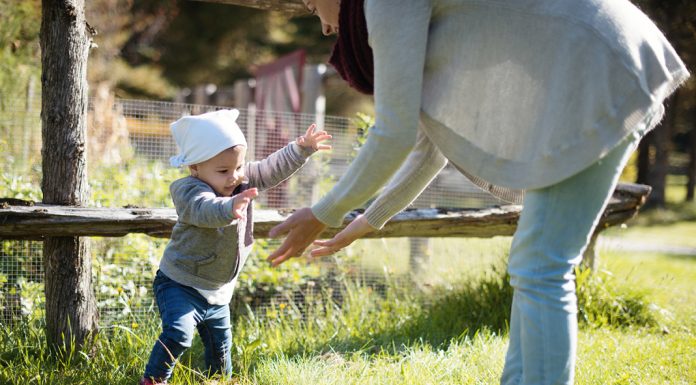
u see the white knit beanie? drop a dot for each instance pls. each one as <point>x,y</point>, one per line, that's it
<point>201,137</point>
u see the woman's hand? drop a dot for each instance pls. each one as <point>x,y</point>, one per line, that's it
<point>356,229</point>
<point>312,139</point>
<point>242,200</point>
<point>302,228</point>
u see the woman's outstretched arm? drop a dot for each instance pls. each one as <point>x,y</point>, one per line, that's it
<point>419,169</point>
<point>398,37</point>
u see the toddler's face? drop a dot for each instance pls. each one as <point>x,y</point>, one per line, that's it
<point>223,172</point>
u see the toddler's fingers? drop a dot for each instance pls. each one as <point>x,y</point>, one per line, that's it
<point>250,193</point>
<point>310,129</point>
<point>238,213</point>
<point>323,135</point>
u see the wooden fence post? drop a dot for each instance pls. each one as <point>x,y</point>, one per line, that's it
<point>71,308</point>
<point>419,254</point>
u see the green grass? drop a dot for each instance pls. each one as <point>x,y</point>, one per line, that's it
<point>610,356</point>
<point>669,280</point>
<point>668,234</point>
<point>444,324</point>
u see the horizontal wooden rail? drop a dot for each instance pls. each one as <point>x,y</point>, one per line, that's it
<point>37,221</point>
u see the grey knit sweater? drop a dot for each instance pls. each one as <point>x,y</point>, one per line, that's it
<point>209,246</point>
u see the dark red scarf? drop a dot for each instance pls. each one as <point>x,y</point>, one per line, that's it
<point>352,55</point>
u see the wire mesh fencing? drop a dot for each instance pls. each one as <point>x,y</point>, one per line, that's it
<point>129,146</point>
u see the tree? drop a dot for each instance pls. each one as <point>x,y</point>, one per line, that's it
<point>675,19</point>
<point>71,312</point>
<point>691,173</point>
<point>654,152</point>
<point>195,42</point>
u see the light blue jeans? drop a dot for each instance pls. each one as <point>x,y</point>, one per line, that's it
<point>183,310</point>
<point>552,233</point>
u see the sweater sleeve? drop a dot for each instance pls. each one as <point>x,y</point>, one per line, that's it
<point>277,167</point>
<point>419,169</point>
<point>196,204</point>
<point>398,34</point>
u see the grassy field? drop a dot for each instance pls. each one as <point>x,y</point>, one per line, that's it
<point>638,326</point>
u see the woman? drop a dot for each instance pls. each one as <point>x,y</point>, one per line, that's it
<point>550,97</point>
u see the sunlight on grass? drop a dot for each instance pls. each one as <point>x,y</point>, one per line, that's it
<point>609,356</point>
<point>449,258</point>
<point>476,360</point>
<point>446,323</point>
<point>669,234</point>
<point>670,280</point>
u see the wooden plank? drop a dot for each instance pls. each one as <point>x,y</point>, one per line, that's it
<point>288,7</point>
<point>39,221</point>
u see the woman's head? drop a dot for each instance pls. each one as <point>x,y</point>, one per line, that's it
<point>327,11</point>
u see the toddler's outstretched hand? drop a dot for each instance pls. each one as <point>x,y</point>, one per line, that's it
<point>241,200</point>
<point>313,139</point>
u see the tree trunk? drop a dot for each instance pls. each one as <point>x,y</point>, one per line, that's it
<point>653,156</point>
<point>691,172</point>
<point>658,174</point>
<point>70,303</point>
<point>71,308</point>
<point>663,147</point>
<point>645,153</point>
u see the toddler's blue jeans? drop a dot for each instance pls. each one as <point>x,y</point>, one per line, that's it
<point>552,233</point>
<point>182,310</point>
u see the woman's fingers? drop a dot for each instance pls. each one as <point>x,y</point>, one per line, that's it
<point>325,248</point>
<point>281,255</point>
<point>322,252</point>
<point>356,229</point>
<point>296,242</point>
<point>282,228</point>
<point>302,229</point>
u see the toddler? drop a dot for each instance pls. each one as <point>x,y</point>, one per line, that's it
<point>213,235</point>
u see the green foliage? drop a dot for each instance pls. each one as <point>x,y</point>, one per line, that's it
<point>459,311</point>
<point>123,270</point>
<point>603,303</point>
<point>398,335</point>
<point>20,295</point>
<point>16,186</point>
<point>20,173</point>
<point>197,42</point>
<point>19,46</point>
<point>136,182</point>
<point>363,122</point>
<point>258,282</point>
